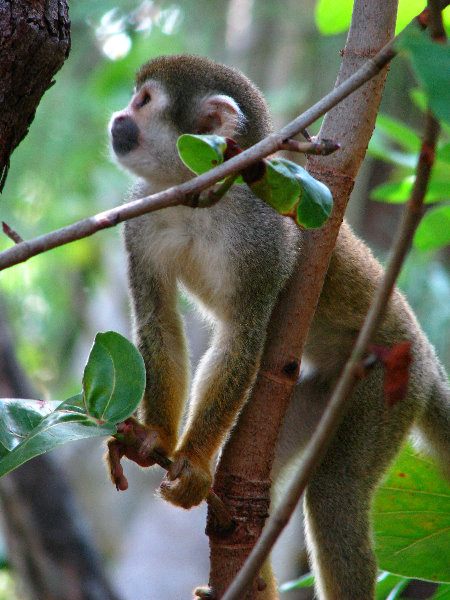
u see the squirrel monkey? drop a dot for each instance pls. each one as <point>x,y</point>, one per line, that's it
<point>233,258</point>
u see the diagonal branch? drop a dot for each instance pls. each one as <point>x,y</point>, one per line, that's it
<point>178,195</point>
<point>244,469</point>
<point>331,418</point>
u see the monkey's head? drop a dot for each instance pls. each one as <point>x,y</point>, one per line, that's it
<point>184,94</point>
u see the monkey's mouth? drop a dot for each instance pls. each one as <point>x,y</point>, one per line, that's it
<point>124,135</point>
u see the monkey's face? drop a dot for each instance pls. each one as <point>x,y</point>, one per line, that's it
<point>143,137</point>
<point>144,134</point>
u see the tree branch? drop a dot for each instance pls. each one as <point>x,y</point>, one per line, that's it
<point>332,416</point>
<point>242,477</point>
<point>177,195</point>
<point>314,453</point>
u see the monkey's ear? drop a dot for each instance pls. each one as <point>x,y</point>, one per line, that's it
<point>221,115</point>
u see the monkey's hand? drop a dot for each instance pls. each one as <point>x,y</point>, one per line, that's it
<point>188,481</point>
<point>139,443</point>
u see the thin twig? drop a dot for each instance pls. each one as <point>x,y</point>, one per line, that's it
<point>334,412</point>
<point>212,196</point>
<point>176,195</point>
<point>322,147</point>
<point>436,24</point>
<point>13,235</point>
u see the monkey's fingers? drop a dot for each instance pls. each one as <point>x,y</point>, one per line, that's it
<point>114,454</point>
<point>116,451</point>
<point>187,484</point>
<point>145,445</point>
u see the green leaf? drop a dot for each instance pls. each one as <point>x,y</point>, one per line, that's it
<point>398,132</point>
<point>430,61</point>
<point>442,593</point>
<point>443,153</point>
<point>200,153</point>
<point>19,417</point>
<point>400,191</point>
<point>434,229</point>
<point>378,148</point>
<point>283,184</point>
<point>412,520</point>
<point>277,187</point>
<point>114,375</point>
<point>316,201</point>
<point>334,17</point>
<point>113,385</point>
<point>59,427</point>
<point>291,190</point>
<point>304,581</point>
<point>389,585</point>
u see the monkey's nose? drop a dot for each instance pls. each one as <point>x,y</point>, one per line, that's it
<point>124,135</point>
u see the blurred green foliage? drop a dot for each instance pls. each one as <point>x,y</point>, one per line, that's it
<point>61,172</point>
<point>334,17</point>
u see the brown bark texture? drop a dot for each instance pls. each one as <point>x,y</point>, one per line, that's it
<point>34,42</point>
<point>47,542</point>
<point>243,475</point>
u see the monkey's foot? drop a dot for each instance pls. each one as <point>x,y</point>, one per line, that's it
<point>137,443</point>
<point>186,484</point>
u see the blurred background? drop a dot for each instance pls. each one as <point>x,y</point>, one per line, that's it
<point>54,304</point>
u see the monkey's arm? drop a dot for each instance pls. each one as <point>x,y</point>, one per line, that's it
<point>160,339</point>
<point>220,389</point>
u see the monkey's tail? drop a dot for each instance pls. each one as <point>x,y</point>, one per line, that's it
<point>434,425</point>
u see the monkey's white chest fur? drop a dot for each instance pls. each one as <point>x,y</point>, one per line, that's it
<point>185,244</point>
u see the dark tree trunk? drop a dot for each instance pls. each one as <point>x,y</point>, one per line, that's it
<point>48,545</point>
<point>34,42</point>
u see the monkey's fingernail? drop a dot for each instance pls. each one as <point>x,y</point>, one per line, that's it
<point>261,584</point>
<point>121,483</point>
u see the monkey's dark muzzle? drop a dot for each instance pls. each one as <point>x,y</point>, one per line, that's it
<point>124,135</point>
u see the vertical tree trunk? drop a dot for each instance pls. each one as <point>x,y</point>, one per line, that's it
<point>243,475</point>
<point>35,41</point>
<point>48,544</point>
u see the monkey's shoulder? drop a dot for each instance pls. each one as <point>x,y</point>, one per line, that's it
<point>240,227</point>
<point>238,247</point>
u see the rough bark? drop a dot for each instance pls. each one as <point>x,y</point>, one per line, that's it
<point>243,475</point>
<point>47,542</point>
<point>34,42</point>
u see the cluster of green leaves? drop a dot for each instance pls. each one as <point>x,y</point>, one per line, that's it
<point>431,64</point>
<point>389,586</point>
<point>399,144</point>
<point>113,385</point>
<point>283,184</point>
<point>412,529</point>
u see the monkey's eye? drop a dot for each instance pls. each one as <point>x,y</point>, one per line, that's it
<point>145,99</point>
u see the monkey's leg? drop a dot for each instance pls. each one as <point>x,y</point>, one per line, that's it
<point>160,339</point>
<point>338,498</point>
<point>220,389</point>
